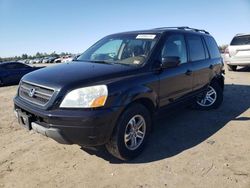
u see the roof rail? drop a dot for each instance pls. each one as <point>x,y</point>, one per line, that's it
<point>240,34</point>
<point>185,28</point>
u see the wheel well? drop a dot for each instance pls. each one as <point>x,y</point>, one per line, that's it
<point>147,103</point>
<point>220,81</point>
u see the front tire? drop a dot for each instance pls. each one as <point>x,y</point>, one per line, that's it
<point>212,99</point>
<point>131,133</point>
<point>232,67</point>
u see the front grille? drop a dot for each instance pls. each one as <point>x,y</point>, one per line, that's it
<point>33,93</point>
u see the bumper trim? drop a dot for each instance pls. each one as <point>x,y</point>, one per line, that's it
<point>53,133</point>
<point>238,61</point>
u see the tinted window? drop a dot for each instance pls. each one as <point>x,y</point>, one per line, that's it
<point>175,46</point>
<point>212,47</point>
<point>10,66</point>
<point>241,40</point>
<point>20,65</point>
<point>196,48</point>
<point>15,66</point>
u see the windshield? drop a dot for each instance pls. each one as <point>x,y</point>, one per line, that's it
<point>241,40</point>
<point>131,49</point>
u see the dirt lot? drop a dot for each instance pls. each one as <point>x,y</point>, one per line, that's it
<point>187,149</point>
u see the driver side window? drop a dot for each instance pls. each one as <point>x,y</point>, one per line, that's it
<point>175,46</point>
<point>108,51</point>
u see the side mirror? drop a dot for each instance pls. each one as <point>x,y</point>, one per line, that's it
<point>170,62</point>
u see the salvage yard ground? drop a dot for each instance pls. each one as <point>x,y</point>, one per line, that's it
<point>187,149</point>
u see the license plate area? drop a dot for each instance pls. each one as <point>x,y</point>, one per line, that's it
<point>24,119</point>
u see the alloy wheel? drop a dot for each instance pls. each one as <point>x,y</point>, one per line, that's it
<point>135,132</point>
<point>209,98</point>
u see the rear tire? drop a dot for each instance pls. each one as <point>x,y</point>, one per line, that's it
<point>232,67</point>
<point>212,99</point>
<point>131,133</point>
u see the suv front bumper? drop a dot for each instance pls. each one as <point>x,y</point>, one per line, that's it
<point>72,126</point>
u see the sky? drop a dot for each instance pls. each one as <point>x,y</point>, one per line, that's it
<point>30,26</point>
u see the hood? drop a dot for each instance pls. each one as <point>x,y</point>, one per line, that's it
<point>77,73</point>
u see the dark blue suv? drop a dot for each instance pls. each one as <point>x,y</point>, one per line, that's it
<point>110,94</point>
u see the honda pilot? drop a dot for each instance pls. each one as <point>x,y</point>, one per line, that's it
<point>110,94</point>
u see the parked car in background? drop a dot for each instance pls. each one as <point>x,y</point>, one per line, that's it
<point>38,60</point>
<point>31,61</point>
<point>12,72</point>
<point>67,58</point>
<point>58,60</point>
<point>64,59</point>
<point>238,52</point>
<point>26,61</point>
<point>22,61</point>
<point>49,59</point>
<point>45,60</point>
<point>111,93</point>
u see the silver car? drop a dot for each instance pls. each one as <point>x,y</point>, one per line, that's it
<point>238,52</point>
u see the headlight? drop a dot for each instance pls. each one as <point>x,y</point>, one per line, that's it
<point>87,97</point>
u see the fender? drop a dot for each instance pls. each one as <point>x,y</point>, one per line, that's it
<point>136,93</point>
<point>220,79</point>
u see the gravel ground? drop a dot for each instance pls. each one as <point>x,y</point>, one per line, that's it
<point>186,149</point>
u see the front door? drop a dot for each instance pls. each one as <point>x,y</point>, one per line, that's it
<point>175,82</point>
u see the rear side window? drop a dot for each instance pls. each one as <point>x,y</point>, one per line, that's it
<point>212,47</point>
<point>20,65</point>
<point>14,66</point>
<point>196,48</point>
<point>241,40</point>
<point>10,66</point>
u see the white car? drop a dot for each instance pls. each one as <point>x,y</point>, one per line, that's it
<point>67,59</point>
<point>238,52</point>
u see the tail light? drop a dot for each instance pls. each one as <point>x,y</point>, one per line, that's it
<point>227,51</point>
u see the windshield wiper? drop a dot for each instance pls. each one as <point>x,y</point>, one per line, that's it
<point>104,62</point>
<point>100,61</point>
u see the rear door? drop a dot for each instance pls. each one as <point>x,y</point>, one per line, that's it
<point>199,57</point>
<point>215,59</point>
<point>175,82</point>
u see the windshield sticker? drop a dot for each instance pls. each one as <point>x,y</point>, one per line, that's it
<point>137,62</point>
<point>145,36</point>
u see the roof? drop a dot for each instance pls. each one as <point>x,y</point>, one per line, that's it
<point>9,62</point>
<point>166,29</point>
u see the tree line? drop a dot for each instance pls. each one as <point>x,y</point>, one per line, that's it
<point>54,54</point>
<point>37,55</point>
<point>223,47</point>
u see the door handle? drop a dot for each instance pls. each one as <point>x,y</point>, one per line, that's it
<point>189,72</point>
